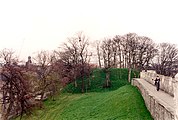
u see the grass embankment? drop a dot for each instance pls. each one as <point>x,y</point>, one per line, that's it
<point>121,102</point>
<point>118,77</point>
<point>124,103</point>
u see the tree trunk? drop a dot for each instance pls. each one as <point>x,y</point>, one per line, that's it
<point>146,67</point>
<point>99,60</point>
<point>7,113</point>
<point>88,86</point>
<point>75,83</point>
<point>83,85</point>
<point>99,56</point>
<point>129,74</point>
<point>120,60</point>
<point>42,95</point>
<point>115,64</point>
<point>107,78</point>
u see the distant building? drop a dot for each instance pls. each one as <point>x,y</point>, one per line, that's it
<point>29,62</point>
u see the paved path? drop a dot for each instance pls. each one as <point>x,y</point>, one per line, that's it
<point>163,97</point>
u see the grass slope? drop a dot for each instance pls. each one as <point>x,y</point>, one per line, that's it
<point>118,77</point>
<point>124,103</point>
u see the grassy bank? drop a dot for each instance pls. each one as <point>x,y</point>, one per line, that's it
<point>124,103</point>
<point>119,102</point>
<point>118,77</point>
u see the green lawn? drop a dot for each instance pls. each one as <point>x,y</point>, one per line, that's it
<point>118,77</point>
<point>124,103</point>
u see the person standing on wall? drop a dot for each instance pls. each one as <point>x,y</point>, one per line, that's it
<point>157,83</point>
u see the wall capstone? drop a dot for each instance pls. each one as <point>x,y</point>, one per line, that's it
<point>176,95</point>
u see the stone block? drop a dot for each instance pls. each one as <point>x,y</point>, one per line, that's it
<point>167,115</point>
<point>161,112</point>
<point>152,106</point>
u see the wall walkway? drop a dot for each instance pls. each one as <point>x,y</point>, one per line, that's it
<point>161,104</point>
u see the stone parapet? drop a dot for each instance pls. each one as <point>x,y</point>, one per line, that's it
<point>166,83</point>
<point>160,109</point>
<point>176,96</point>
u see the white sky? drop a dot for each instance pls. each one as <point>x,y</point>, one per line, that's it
<point>32,25</point>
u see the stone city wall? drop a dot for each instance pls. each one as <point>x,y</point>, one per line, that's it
<point>166,83</point>
<point>157,108</point>
<point>176,95</point>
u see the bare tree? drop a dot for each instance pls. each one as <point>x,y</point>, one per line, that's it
<point>146,52</point>
<point>130,51</point>
<point>76,56</point>
<point>7,56</point>
<point>107,52</point>
<point>66,64</point>
<point>44,70</point>
<point>98,53</point>
<point>115,53</point>
<point>167,59</point>
<point>15,86</point>
<point>118,40</point>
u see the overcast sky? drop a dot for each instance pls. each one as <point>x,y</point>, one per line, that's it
<point>33,25</point>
